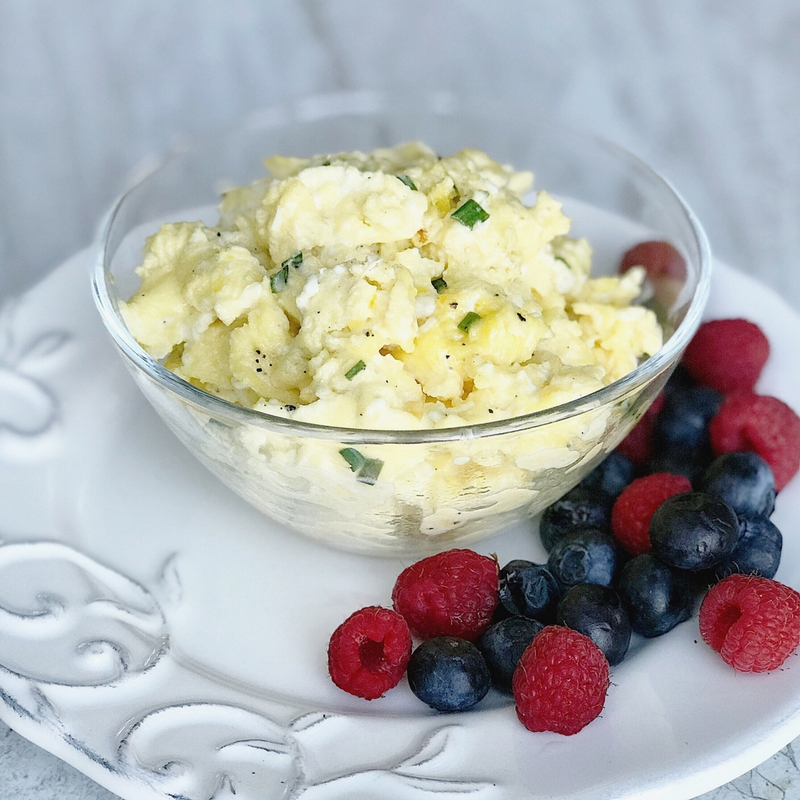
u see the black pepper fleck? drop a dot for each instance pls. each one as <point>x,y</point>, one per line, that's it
<point>453,305</point>
<point>258,369</point>
<point>521,318</point>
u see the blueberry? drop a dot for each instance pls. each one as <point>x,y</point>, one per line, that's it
<point>679,381</point>
<point>503,644</point>
<point>693,530</point>
<point>597,612</point>
<point>744,481</point>
<point>611,475</point>
<point>584,556</point>
<point>448,673</point>
<point>529,590</point>
<point>758,551</point>
<point>656,596</point>
<point>581,507</point>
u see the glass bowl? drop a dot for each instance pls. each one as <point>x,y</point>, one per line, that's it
<point>435,488</point>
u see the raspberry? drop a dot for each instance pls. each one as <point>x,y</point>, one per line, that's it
<point>727,355</point>
<point>368,653</point>
<point>638,444</point>
<point>660,260</point>
<point>759,424</point>
<point>752,622</point>
<point>560,682</point>
<point>450,594</point>
<point>630,516</point>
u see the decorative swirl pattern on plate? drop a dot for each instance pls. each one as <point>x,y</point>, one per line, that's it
<point>66,619</point>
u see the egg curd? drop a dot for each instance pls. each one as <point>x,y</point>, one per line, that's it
<point>389,290</point>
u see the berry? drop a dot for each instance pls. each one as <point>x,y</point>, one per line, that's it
<point>638,444</point>
<point>744,481</point>
<point>656,596</point>
<point>630,516</point>
<point>561,681</point>
<point>758,551</point>
<point>579,508</point>
<point>503,644</point>
<point>597,612</point>
<point>368,653</point>
<point>448,674</point>
<point>611,475</point>
<point>584,556</point>
<point>752,622</point>
<point>763,425</point>
<point>727,354</point>
<point>660,260</point>
<point>694,530</point>
<point>450,594</point>
<point>529,590</point>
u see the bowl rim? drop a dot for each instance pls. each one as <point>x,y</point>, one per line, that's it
<point>365,102</point>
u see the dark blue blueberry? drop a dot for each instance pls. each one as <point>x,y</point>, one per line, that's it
<point>503,644</point>
<point>529,590</point>
<point>584,556</point>
<point>656,596</point>
<point>597,612</point>
<point>680,436</point>
<point>611,475</point>
<point>578,508</point>
<point>679,381</point>
<point>693,530</point>
<point>448,673</point>
<point>758,551</point>
<point>744,481</point>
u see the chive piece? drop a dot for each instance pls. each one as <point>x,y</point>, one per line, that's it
<point>470,213</point>
<point>407,181</point>
<point>293,261</point>
<point>440,284</point>
<point>277,282</point>
<point>368,469</point>
<point>354,370</point>
<point>564,262</point>
<point>353,458</point>
<point>470,318</point>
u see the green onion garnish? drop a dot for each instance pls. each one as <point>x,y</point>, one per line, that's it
<point>470,318</point>
<point>277,282</point>
<point>354,370</point>
<point>564,261</point>
<point>470,213</point>
<point>407,181</point>
<point>368,469</point>
<point>440,284</point>
<point>294,261</point>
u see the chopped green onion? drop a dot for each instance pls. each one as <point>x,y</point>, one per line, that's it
<point>368,469</point>
<point>564,262</point>
<point>294,261</point>
<point>470,318</point>
<point>440,284</point>
<point>277,282</point>
<point>407,181</point>
<point>470,213</point>
<point>354,370</point>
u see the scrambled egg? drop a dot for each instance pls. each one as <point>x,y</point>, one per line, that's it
<point>390,290</point>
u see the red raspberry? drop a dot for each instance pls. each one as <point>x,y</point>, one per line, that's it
<point>660,260</point>
<point>632,510</point>
<point>727,355</point>
<point>453,593</point>
<point>560,682</point>
<point>638,444</point>
<point>759,424</point>
<point>369,652</point>
<point>752,622</point>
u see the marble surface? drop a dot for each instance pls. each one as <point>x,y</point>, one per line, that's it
<point>90,91</point>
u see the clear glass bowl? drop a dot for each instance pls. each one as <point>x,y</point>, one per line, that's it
<point>436,488</point>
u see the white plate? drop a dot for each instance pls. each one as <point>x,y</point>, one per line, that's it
<point>164,638</point>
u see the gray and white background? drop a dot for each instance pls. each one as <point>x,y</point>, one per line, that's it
<point>706,92</point>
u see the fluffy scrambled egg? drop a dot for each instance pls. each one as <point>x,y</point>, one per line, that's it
<point>391,290</point>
